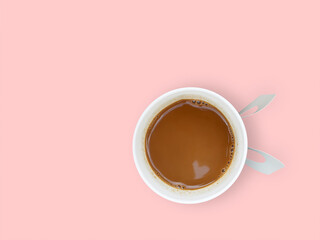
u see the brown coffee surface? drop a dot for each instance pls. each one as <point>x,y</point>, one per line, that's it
<point>189,144</point>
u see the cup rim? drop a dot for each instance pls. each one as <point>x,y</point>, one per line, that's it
<point>235,175</point>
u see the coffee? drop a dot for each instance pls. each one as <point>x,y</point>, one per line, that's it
<point>190,144</point>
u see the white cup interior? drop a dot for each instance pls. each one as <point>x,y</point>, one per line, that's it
<point>210,191</point>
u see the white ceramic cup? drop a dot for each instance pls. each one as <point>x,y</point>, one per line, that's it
<point>206,193</point>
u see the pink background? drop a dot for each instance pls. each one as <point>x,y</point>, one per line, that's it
<point>76,76</point>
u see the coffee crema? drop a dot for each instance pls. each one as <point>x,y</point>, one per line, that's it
<point>190,144</point>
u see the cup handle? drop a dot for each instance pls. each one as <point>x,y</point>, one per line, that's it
<point>260,102</point>
<point>270,165</point>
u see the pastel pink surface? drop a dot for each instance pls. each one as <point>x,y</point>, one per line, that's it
<point>76,76</point>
